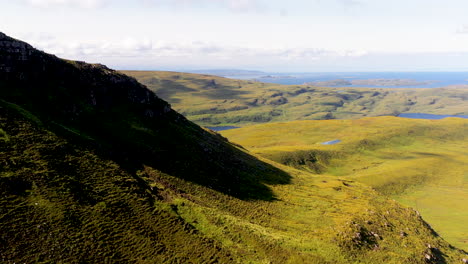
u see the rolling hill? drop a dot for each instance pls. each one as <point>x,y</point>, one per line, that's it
<point>421,163</point>
<point>216,101</point>
<point>95,168</point>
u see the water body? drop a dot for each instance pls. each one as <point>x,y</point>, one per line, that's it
<point>428,116</point>
<point>433,79</point>
<point>221,128</point>
<point>333,142</point>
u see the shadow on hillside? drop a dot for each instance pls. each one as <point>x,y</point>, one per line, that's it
<point>241,185</point>
<point>201,157</point>
<point>211,162</point>
<point>183,150</point>
<point>170,89</point>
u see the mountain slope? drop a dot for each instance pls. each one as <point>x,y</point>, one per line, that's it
<point>63,203</point>
<point>115,113</point>
<point>96,169</point>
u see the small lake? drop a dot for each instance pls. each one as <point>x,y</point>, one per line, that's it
<point>428,116</point>
<point>221,128</point>
<point>332,142</point>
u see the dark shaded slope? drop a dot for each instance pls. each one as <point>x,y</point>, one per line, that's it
<point>126,122</point>
<point>62,203</point>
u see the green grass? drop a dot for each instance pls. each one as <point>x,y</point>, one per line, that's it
<point>421,163</point>
<point>110,174</point>
<point>210,100</point>
<point>62,202</point>
<point>4,136</point>
<point>67,203</point>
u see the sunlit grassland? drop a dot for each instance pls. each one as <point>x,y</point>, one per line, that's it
<point>211,100</point>
<point>421,163</point>
<point>316,215</point>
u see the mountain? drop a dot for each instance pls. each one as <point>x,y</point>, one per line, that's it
<point>95,168</point>
<point>112,111</point>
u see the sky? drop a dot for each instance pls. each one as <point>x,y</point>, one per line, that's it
<point>266,35</point>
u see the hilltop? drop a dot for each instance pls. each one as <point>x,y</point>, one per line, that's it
<point>215,101</point>
<point>95,168</point>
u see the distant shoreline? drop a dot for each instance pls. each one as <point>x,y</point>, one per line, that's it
<point>371,82</point>
<point>364,79</point>
<point>429,116</point>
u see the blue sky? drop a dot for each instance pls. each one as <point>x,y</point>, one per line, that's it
<point>287,36</point>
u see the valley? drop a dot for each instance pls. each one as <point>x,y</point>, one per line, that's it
<point>416,162</point>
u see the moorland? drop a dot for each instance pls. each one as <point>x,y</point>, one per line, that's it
<point>96,168</point>
<point>216,101</point>
<point>420,163</point>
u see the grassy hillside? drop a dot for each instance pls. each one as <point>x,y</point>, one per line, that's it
<point>210,100</point>
<point>94,168</point>
<point>112,112</point>
<point>421,163</point>
<point>64,203</point>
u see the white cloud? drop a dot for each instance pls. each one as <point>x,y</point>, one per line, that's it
<point>463,29</point>
<point>352,53</point>
<point>350,3</point>
<point>144,49</point>
<point>339,3</point>
<point>67,3</point>
<point>148,54</point>
<point>243,5</point>
<point>232,5</point>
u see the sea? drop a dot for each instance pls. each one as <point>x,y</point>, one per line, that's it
<point>429,116</point>
<point>430,79</point>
